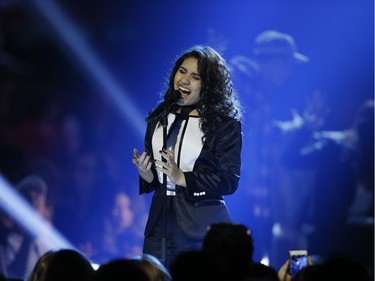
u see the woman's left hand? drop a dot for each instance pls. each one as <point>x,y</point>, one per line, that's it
<point>169,167</point>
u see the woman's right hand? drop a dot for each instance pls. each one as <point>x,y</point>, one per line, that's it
<point>143,163</point>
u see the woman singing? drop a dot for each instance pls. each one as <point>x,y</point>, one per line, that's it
<point>199,156</point>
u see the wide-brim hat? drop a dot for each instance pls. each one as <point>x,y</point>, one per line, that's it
<point>32,183</point>
<point>275,43</point>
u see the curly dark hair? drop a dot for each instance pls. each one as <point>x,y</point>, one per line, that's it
<point>219,100</point>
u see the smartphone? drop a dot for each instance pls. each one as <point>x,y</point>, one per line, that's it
<point>297,261</point>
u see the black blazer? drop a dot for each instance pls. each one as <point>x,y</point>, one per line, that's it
<point>216,173</point>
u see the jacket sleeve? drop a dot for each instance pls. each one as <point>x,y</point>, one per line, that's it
<point>217,169</point>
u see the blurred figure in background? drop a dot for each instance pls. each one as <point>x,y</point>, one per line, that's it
<point>122,269</point>
<point>40,268</point>
<point>363,148</point>
<point>82,191</point>
<point>278,87</point>
<point>233,246</point>
<point>118,231</point>
<point>335,267</point>
<point>197,265</point>
<point>62,265</point>
<point>153,267</point>
<point>262,272</point>
<point>340,210</point>
<point>21,248</point>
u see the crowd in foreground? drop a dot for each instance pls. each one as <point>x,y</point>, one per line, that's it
<point>226,254</point>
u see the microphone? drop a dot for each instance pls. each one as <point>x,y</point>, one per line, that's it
<point>163,108</point>
<point>172,97</point>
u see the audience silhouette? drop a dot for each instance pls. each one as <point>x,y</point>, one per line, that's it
<point>121,269</point>
<point>154,268</point>
<point>62,265</point>
<point>40,267</point>
<point>343,268</point>
<point>197,265</point>
<point>262,272</point>
<point>232,245</point>
<point>226,254</point>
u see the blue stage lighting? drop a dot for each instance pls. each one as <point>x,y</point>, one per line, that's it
<point>23,213</point>
<point>89,60</point>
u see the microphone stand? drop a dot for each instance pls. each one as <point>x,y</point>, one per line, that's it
<point>168,103</point>
<point>164,121</point>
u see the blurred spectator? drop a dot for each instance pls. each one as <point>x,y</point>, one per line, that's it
<point>345,268</point>
<point>82,191</point>
<point>39,270</point>
<point>115,233</point>
<point>197,265</point>
<point>232,244</point>
<point>243,71</point>
<point>121,269</point>
<point>154,267</point>
<point>262,272</point>
<point>343,162</point>
<point>67,264</point>
<point>278,86</point>
<point>363,149</point>
<point>21,248</point>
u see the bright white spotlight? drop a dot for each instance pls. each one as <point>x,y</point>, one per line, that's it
<point>265,260</point>
<point>22,212</point>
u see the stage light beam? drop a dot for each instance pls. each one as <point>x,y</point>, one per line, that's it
<point>86,56</point>
<point>22,212</point>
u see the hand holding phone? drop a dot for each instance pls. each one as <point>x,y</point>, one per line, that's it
<point>297,260</point>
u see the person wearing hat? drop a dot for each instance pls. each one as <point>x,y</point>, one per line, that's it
<point>279,89</point>
<point>277,57</point>
<point>275,43</point>
<point>22,249</point>
<point>34,189</point>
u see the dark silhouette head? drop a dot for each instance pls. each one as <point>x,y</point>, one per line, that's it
<point>120,270</point>
<point>233,245</point>
<point>196,265</point>
<point>68,264</point>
